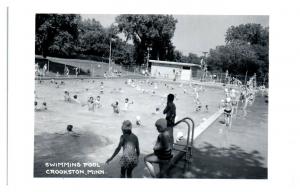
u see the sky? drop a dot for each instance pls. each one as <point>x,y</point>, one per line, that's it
<point>198,33</point>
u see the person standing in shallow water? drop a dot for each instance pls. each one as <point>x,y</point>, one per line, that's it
<point>170,112</point>
<point>131,150</point>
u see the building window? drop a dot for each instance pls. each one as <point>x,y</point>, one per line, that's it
<point>186,68</point>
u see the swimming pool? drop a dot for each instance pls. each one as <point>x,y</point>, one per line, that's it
<point>100,130</point>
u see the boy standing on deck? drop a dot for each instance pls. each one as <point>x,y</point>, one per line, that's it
<point>170,112</point>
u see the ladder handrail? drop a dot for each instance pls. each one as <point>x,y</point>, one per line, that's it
<point>183,120</point>
<point>193,127</point>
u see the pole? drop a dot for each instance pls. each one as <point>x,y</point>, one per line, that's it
<point>148,55</point>
<point>246,77</point>
<point>48,66</point>
<point>109,60</point>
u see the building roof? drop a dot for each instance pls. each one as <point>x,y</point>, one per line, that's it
<point>174,63</point>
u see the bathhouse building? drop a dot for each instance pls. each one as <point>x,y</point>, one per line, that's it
<point>174,70</point>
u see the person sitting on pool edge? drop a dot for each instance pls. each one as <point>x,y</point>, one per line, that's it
<point>162,149</point>
<point>170,112</point>
<point>131,150</point>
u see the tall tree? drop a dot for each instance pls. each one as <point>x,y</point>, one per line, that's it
<point>153,31</point>
<point>252,33</point>
<point>246,50</point>
<point>50,26</point>
<point>92,38</point>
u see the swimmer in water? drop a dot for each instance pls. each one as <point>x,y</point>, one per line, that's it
<point>42,108</point>
<point>126,104</point>
<point>115,107</point>
<point>75,99</point>
<point>91,104</point>
<point>56,85</point>
<point>97,102</point>
<point>67,96</point>
<point>138,121</point>
<point>198,105</point>
<point>152,92</point>
<point>69,131</point>
<point>101,87</point>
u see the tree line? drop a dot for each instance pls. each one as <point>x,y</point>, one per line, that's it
<point>70,36</point>
<point>246,51</point>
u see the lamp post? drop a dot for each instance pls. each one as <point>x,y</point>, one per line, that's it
<point>205,65</point>
<point>109,59</point>
<point>110,41</point>
<point>148,56</point>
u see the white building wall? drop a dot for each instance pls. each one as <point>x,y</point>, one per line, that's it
<point>186,74</point>
<point>163,72</point>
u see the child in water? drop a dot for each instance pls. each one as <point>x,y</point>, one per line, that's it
<point>71,132</point>
<point>101,88</point>
<point>138,121</point>
<point>75,99</point>
<point>42,108</point>
<point>126,104</point>
<point>91,104</point>
<point>131,151</point>
<point>115,107</point>
<point>198,104</point>
<point>97,102</point>
<point>67,96</point>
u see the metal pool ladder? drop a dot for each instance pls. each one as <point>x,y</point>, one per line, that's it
<point>186,145</point>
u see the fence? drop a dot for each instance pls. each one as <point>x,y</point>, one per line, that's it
<point>229,79</point>
<point>86,68</point>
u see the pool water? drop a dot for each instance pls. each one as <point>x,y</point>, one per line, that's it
<point>100,130</point>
